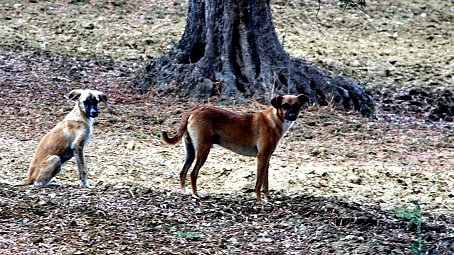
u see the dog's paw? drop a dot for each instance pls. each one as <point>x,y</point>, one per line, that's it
<point>186,191</point>
<point>266,201</point>
<point>84,184</point>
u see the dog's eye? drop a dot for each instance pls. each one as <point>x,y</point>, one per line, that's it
<point>91,102</point>
<point>285,106</point>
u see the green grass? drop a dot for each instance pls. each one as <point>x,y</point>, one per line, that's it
<point>190,235</point>
<point>418,247</point>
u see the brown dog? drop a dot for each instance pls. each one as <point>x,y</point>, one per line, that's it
<point>254,134</point>
<point>66,140</point>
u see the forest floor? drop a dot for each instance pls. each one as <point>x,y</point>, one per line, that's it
<point>341,183</point>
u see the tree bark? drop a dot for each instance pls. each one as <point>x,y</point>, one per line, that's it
<point>231,48</point>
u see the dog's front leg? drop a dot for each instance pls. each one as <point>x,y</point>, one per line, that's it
<point>265,188</point>
<point>79,157</point>
<point>262,175</point>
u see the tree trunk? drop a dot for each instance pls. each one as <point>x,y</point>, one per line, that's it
<point>230,47</point>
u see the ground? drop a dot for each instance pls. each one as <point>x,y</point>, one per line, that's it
<point>341,183</point>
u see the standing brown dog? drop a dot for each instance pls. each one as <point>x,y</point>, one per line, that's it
<point>254,134</point>
<point>66,140</point>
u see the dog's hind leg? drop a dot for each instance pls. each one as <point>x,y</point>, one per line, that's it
<point>49,169</point>
<point>190,156</point>
<point>201,154</point>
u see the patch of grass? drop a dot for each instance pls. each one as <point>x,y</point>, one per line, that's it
<point>414,214</point>
<point>190,235</point>
<point>404,213</point>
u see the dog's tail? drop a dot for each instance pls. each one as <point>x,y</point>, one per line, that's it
<point>181,130</point>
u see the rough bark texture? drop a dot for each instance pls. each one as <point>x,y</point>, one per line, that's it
<point>231,47</point>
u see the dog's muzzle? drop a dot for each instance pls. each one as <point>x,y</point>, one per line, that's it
<point>290,116</point>
<point>92,114</point>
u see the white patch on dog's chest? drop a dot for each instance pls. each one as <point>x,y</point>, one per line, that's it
<point>287,125</point>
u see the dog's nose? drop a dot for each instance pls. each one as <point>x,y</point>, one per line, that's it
<point>93,114</point>
<point>291,116</point>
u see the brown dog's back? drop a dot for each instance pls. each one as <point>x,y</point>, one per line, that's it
<point>211,118</point>
<point>214,125</point>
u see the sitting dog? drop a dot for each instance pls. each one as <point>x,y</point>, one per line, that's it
<point>66,140</point>
<point>254,134</point>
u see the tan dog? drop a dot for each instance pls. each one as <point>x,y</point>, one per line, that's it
<point>254,134</point>
<point>66,140</point>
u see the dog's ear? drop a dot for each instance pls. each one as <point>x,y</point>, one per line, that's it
<point>102,97</point>
<point>74,94</point>
<point>303,99</point>
<point>276,102</point>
